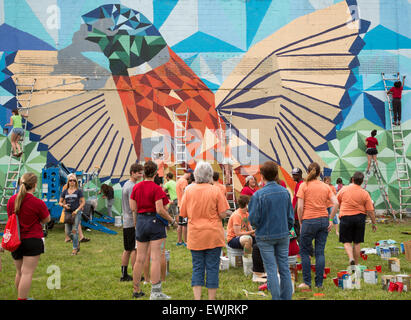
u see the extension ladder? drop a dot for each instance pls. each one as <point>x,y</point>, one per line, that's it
<point>381,186</point>
<point>180,137</point>
<point>24,93</point>
<point>226,136</point>
<point>400,153</point>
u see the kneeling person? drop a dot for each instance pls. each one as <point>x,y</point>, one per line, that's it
<point>239,230</point>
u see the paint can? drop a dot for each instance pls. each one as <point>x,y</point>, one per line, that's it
<point>370,276</point>
<point>402,248</point>
<point>347,282</point>
<point>385,253</point>
<point>394,251</point>
<point>224,263</point>
<point>394,264</point>
<point>405,279</point>
<point>247,265</point>
<point>118,221</point>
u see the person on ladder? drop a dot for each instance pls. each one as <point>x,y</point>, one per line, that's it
<point>371,151</point>
<point>16,121</point>
<point>396,92</point>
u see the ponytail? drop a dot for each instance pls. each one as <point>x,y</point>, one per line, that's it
<point>314,171</point>
<point>27,182</point>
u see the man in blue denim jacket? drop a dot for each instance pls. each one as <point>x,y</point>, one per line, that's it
<point>271,214</point>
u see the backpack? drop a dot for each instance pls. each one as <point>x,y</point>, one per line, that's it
<point>11,237</point>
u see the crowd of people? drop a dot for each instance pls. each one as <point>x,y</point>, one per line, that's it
<point>269,225</point>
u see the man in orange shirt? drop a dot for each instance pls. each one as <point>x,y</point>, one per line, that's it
<point>354,204</point>
<point>181,184</point>
<point>216,177</point>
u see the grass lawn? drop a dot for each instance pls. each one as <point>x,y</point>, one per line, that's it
<point>94,274</point>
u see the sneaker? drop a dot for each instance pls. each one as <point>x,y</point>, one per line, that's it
<point>138,294</point>
<point>85,240</point>
<point>159,296</point>
<point>352,263</point>
<point>126,278</point>
<point>180,244</point>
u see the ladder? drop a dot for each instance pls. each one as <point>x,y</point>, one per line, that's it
<point>381,186</point>
<point>400,152</point>
<point>226,136</point>
<point>180,137</point>
<point>24,92</point>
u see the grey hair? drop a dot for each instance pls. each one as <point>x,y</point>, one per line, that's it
<point>203,172</point>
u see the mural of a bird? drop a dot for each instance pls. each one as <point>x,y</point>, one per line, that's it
<point>291,87</point>
<point>109,120</point>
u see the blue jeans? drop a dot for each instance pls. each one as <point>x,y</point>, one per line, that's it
<point>313,229</point>
<point>206,262</point>
<point>275,256</point>
<point>74,227</point>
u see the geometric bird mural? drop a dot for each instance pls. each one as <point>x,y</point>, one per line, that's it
<point>301,74</point>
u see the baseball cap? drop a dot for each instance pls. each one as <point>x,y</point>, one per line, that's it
<point>296,171</point>
<point>248,178</point>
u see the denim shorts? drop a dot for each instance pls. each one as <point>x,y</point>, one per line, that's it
<point>18,131</point>
<point>149,228</point>
<point>206,262</point>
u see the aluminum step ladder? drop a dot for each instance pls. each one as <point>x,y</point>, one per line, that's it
<point>381,185</point>
<point>225,137</point>
<point>180,138</point>
<point>400,152</point>
<point>24,92</point>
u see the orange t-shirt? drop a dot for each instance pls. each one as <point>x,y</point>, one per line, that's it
<point>201,204</point>
<point>316,195</point>
<point>238,218</point>
<point>330,203</point>
<point>181,184</point>
<point>354,200</point>
<point>222,187</point>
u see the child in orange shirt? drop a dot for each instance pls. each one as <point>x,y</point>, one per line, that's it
<point>239,230</point>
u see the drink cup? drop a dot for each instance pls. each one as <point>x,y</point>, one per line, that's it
<point>327,270</point>
<point>378,268</point>
<point>335,280</point>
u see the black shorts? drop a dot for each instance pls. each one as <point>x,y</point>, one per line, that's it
<point>371,151</point>
<point>29,248</point>
<point>352,228</point>
<point>129,238</point>
<point>149,228</point>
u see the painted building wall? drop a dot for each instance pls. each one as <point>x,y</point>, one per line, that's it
<point>296,81</point>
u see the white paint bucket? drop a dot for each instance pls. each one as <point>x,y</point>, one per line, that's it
<point>370,276</point>
<point>118,221</point>
<point>224,263</point>
<point>247,265</point>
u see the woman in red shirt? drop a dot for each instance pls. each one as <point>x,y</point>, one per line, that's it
<point>396,92</point>
<point>371,151</point>
<point>32,212</point>
<point>146,200</point>
<point>250,186</point>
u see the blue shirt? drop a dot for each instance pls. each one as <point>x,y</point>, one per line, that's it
<point>271,212</point>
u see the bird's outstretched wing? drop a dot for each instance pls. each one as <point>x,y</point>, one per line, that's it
<point>81,128</point>
<point>292,86</point>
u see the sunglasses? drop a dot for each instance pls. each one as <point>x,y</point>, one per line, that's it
<point>72,180</point>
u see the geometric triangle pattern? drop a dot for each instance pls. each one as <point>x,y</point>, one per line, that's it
<point>130,41</point>
<point>346,155</point>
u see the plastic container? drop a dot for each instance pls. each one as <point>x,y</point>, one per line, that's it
<point>118,221</point>
<point>224,263</point>
<point>235,257</point>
